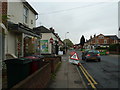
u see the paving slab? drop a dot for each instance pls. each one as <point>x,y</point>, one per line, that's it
<point>67,76</point>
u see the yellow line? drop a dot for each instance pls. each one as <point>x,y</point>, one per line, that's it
<point>88,79</point>
<point>89,75</point>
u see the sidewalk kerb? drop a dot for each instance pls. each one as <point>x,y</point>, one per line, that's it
<point>81,78</point>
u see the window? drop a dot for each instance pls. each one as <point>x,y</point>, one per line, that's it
<point>105,41</point>
<point>101,37</point>
<point>31,21</point>
<point>97,41</point>
<point>115,41</point>
<point>25,13</point>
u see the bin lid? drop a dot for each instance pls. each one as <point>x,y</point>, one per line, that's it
<point>18,61</point>
<point>33,58</point>
<point>39,56</point>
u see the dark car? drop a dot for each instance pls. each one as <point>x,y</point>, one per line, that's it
<point>91,55</point>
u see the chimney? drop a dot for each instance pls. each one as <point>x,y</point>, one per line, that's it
<point>90,37</point>
<point>51,29</point>
<point>94,35</point>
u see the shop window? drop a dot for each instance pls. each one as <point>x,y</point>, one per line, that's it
<point>31,46</point>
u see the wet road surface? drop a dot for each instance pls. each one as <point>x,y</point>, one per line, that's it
<point>106,72</point>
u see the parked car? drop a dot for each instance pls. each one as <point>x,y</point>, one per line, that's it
<point>91,55</point>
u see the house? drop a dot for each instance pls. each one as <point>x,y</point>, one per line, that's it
<point>19,38</point>
<point>50,40</point>
<point>101,41</point>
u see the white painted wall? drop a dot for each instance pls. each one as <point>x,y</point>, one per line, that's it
<point>15,10</point>
<point>47,36</point>
<point>11,43</point>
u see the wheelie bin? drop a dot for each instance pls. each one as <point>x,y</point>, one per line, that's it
<point>41,61</point>
<point>37,62</point>
<point>17,70</point>
<point>34,65</point>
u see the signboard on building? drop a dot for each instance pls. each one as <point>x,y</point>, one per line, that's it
<point>44,46</point>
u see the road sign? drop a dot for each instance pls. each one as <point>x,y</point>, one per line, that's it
<point>74,56</point>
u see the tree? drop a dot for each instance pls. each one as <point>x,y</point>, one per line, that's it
<point>68,42</point>
<point>82,41</point>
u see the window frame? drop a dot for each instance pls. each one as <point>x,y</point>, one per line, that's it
<point>101,37</point>
<point>25,14</point>
<point>105,41</point>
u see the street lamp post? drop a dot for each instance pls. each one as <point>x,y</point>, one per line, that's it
<point>65,42</point>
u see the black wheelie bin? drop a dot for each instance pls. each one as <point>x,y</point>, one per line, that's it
<point>17,70</point>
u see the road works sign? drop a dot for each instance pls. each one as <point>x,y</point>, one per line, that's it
<point>74,56</point>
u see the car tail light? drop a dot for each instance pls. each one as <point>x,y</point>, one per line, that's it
<point>98,54</point>
<point>88,55</point>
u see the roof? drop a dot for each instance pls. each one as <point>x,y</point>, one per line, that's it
<point>29,6</point>
<point>42,29</point>
<point>114,37</point>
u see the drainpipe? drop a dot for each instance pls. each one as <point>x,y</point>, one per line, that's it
<point>36,17</point>
<point>23,35</point>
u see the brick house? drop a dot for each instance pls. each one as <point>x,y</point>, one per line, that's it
<point>101,40</point>
<point>19,39</point>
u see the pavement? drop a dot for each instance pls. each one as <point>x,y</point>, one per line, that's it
<point>67,76</point>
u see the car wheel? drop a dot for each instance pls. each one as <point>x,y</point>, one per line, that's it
<point>82,58</point>
<point>99,60</point>
<point>86,60</point>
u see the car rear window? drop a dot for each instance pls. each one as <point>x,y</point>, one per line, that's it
<point>93,52</point>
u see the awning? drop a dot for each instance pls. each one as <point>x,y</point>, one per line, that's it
<point>20,28</point>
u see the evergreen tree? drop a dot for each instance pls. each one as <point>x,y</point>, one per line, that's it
<point>82,41</point>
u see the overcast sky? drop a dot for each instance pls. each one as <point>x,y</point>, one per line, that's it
<point>78,18</point>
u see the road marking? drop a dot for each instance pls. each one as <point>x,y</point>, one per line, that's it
<point>81,78</point>
<point>90,82</point>
<point>88,77</point>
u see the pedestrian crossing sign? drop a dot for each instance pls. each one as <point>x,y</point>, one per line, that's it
<point>74,56</point>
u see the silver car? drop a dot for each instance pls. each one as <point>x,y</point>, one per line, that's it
<point>91,55</point>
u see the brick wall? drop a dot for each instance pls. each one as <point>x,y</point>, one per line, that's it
<point>39,79</point>
<point>100,41</point>
<point>53,62</point>
<point>4,12</point>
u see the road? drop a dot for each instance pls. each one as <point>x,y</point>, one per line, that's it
<point>104,72</point>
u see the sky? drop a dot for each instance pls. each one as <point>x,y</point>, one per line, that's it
<point>77,17</point>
